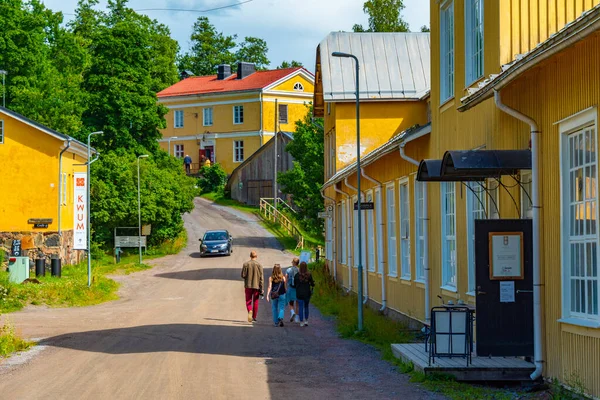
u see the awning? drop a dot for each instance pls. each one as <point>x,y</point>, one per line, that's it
<point>484,163</point>
<point>431,171</point>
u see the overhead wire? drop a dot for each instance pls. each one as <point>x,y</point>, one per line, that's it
<point>187,10</point>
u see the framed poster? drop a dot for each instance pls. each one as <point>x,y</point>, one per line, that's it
<point>506,255</point>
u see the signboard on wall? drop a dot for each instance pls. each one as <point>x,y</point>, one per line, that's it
<point>80,211</point>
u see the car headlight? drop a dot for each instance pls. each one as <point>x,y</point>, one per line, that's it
<point>203,247</point>
<point>224,246</point>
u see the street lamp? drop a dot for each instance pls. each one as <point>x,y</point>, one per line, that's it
<point>140,206</point>
<point>359,219</point>
<point>169,139</point>
<point>89,226</point>
<point>3,73</point>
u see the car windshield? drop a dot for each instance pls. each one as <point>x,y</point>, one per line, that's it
<point>215,236</point>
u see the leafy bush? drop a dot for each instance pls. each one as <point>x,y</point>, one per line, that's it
<point>212,179</point>
<point>10,342</point>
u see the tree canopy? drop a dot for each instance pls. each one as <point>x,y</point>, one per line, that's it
<point>290,64</point>
<point>384,16</point>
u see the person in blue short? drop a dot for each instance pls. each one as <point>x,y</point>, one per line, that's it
<point>291,292</point>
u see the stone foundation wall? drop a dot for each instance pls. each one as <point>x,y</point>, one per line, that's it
<point>44,244</point>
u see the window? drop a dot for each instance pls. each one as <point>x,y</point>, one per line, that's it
<point>178,115</point>
<point>580,215</point>
<point>379,218</point>
<point>179,151</point>
<point>283,113</point>
<point>474,40</point>
<point>207,115</point>
<point>1,131</point>
<point>344,218</point>
<point>494,198</point>
<point>526,204</point>
<point>355,234</point>
<point>238,114</point>
<point>420,230</point>
<point>299,87</point>
<point>448,191</point>
<point>405,231</point>
<point>329,236</point>
<point>476,209</point>
<point>371,236</point>
<point>447,50</point>
<point>238,151</point>
<point>391,231</point>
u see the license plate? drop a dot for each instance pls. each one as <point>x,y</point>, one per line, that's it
<point>214,251</point>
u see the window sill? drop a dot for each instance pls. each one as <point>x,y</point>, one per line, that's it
<point>421,281</point>
<point>405,281</point>
<point>471,294</point>
<point>580,322</point>
<point>238,123</point>
<point>420,284</point>
<point>393,278</point>
<point>447,104</point>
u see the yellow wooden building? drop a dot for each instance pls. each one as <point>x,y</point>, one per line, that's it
<point>228,116</point>
<point>36,189</point>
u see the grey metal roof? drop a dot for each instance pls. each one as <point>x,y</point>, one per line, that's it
<point>392,66</point>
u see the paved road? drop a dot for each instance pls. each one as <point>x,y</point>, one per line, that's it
<point>179,331</point>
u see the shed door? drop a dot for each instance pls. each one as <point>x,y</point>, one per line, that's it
<point>258,189</point>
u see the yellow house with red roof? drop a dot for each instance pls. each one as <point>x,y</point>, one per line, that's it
<point>228,116</point>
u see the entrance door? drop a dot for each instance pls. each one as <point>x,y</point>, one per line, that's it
<point>258,190</point>
<point>209,153</point>
<point>504,321</point>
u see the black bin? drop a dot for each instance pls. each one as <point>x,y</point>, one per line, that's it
<point>55,265</point>
<point>40,267</point>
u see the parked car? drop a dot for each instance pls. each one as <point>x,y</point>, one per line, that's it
<point>216,242</point>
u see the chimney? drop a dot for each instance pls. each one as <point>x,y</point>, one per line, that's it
<point>245,69</point>
<point>186,74</point>
<point>223,71</point>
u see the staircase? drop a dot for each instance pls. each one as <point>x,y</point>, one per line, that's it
<point>269,212</point>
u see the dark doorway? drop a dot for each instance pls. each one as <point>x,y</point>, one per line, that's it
<point>504,313</point>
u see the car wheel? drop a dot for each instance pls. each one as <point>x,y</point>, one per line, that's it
<point>229,252</point>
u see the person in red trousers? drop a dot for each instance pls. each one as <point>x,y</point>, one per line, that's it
<point>252,274</point>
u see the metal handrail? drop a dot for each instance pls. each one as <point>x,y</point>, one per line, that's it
<point>270,213</point>
<point>280,201</point>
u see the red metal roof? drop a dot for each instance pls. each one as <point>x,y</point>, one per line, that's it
<point>210,84</point>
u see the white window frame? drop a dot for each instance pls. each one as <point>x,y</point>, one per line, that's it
<point>419,231</point>
<point>1,131</point>
<point>404,214</point>
<point>370,235</point>
<point>344,233</point>
<point>238,151</point>
<point>392,242</point>
<point>379,230</point>
<point>299,87</point>
<point>238,115</point>
<point>448,214</point>
<point>329,239</point>
<point>476,209</point>
<point>526,204</point>
<point>207,116</point>
<point>279,119</point>
<point>584,123</point>
<point>179,151</point>
<point>474,40</point>
<point>178,119</point>
<point>446,51</point>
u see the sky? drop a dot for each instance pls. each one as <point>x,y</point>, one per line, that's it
<point>292,28</point>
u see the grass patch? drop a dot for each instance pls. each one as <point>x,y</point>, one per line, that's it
<point>222,201</point>
<point>10,342</point>
<point>381,332</point>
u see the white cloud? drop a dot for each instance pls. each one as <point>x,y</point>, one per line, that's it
<point>292,28</point>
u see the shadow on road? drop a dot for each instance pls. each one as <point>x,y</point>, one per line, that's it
<point>257,242</point>
<point>224,274</point>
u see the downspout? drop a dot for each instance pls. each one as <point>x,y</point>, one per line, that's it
<point>535,200</point>
<point>60,186</point>
<point>383,297</point>
<point>366,284</point>
<point>425,234</point>
<point>346,216</point>
<point>333,226</point>
<point>260,99</point>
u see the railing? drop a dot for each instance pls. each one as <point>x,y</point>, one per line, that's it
<point>279,202</point>
<point>269,213</point>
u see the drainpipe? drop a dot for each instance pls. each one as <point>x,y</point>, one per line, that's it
<point>535,199</point>
<point>346,216</point>
<point>365,289</point>
<point>60,186</point>
<point>333,226</point>
<point>260,99</point>
<point>383,297</point>
<point>425,234</point>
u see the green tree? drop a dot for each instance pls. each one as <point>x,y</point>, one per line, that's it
<point>305,179</point>
<point>212,178</point>
<point>425,28</point>
<point>384,16</point>
<point>254,50</point>
<point>290,64</point>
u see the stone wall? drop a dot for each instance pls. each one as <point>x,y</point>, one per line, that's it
<point>43,243</point>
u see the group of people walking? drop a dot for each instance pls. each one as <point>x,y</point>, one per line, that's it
<point>292,289</point>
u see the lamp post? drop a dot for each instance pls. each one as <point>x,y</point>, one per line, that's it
<point>171,138</point>
<point>3,73</point>
<point>140,206</point>
<point>359,203</point>
<point>89,226</point>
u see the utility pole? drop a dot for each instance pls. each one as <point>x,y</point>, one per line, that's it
<point>275,162</point>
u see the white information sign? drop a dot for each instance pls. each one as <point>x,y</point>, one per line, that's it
<point>506,255</point>
<point>305,256</point>
<point>507,292</point>
<point>80,211</point>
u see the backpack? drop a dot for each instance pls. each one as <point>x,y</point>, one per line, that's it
<point>291,273</point>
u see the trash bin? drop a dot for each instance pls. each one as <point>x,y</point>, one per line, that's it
<point>55,265</point>
<point>18,269</point>
<point>40,267</point>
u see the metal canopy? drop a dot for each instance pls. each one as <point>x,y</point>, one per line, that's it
<point>484,163</point>
<point>431,171</point>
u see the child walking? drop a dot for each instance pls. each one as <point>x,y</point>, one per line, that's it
<point>304,287</point>
<point>276,294</point>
